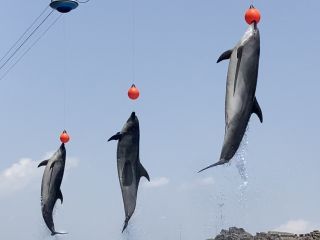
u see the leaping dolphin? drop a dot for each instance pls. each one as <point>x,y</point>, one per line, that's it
<point>240,100</point>
<point>50,187</point>
<point>130,170</point>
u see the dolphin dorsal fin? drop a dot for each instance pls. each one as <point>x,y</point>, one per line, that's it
<point>143,172</point>
<point>224,56</point>
<point>60,196</point>
<point>257,110</point>
<point>117,136</point>
<point>43,163</point>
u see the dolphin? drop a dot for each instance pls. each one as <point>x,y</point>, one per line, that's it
<point>50,187</point>
<point>130,170</point>
<point>240,101</point>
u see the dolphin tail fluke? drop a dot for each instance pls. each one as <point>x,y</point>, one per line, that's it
<point>125,225</point>
<point>55,233</point>
<point>213,165</point>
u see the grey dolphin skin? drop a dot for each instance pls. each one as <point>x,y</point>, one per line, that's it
<point>130,170</point>
<point>240,100</point>
<point>50,188</point>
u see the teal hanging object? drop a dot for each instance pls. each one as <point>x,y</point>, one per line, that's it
<point>64,6</point>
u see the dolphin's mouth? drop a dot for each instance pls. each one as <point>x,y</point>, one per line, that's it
<point>133,115</point>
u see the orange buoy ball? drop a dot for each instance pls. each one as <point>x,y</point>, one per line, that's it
<point>133,92</point>
<point>252,15</point>
<point>64,137</point>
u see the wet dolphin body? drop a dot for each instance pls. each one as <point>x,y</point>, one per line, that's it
<point>240,100</point>
<point>130,170</point>
<point>50,188</point>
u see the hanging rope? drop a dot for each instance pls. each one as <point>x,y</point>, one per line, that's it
<point>133,41</point>
<point>21,45</point>
<point>26,31</point>
<point>64,75</point>
<point>35,42</point>
<point>83,1</point>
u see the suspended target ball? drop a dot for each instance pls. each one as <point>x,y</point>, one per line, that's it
<point>64,137</point>
<point>252,15</point>
<point>133,92</point>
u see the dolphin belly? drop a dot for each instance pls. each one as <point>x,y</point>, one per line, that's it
<point>233,136</point>
<point>127,174</point>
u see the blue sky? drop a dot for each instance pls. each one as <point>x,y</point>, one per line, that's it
<point>88,56</point>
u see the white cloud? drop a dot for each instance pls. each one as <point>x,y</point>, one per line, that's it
<point>157,182</point>
<point>205,181</point>
<point>20,174</point>
<point>202,182</point>
<point>296,226</point>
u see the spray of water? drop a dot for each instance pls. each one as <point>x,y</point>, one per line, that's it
<point>241,163</point>
<point>220,218</point>
<point>135,230</point>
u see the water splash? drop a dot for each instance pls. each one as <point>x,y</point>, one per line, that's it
<point>241,163</point>
<point>220,217</point>
<point>135,230</point>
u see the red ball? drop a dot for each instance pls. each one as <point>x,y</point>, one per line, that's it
<point>64,137</point>
<point>252,15</point>
<point>133,92</point>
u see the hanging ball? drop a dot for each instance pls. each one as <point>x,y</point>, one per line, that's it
<point>133,92</point>
<point>252,15</point>
<point>64,137</point>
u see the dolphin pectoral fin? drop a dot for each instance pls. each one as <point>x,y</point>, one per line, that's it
<point>257,110</point>
<point>143,172</point>
<point>117,136</point>
<point>224,56</point>
<point>213,165</point>
<point>60,196</point>
<point>43,163</point>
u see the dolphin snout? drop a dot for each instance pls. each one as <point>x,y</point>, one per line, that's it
<point>133,115</point>
<point>62,147</point>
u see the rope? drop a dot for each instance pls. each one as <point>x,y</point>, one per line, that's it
<point>30,35</point>
<point>133,41</point>
<point>64,75</point>
<point>83,1</point>
<point>25,32</point>
<point>38,39</point>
